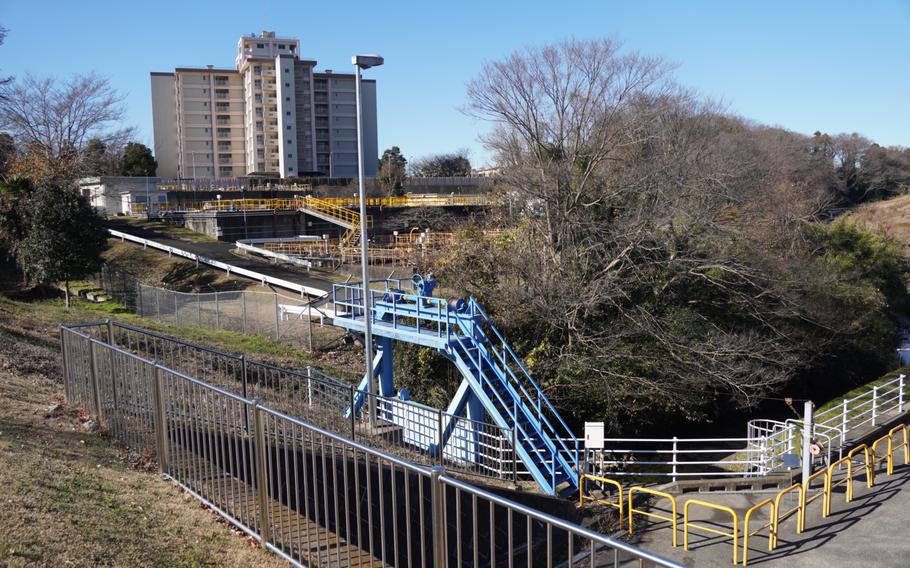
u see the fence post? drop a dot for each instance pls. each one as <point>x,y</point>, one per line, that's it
<point>160,419</point>
<point>243,309</point>
<point>675,448</point>
<point>309,324</point>
<point>139,298</point>
<point>263,493</point>
<point>158,303</point>
<point>66,367</point>
<point>199,310</point>
<point>277,318</point>
<point>515,454</point>
<point>874,403</point>
<point>900,393</point>
<point>440,546</point>
<point>176,310</point>
<point>243,378</point>
<point>110,331</point>
<point>218,313</point>
<point>808,423</point>
<point>844,422</point>
<point>309,387</point>
<point>96,392</point>
<point>353,414</point>
<point>439,442</point>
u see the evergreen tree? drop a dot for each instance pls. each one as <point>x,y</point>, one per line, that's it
<point>63,237</point>
<point>138,161</point>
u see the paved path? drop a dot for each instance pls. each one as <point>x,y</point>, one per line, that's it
<point>221,251</point>
<point>869,531</point>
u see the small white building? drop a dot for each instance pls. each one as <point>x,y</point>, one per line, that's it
<point>122,195</point>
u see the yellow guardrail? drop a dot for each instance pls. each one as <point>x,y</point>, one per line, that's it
<point>686,524</point>
<point>328,203</point>
<point>826,497</point>
<point>611,482</point>
<point>869,467</point>
<point>632,510</point>
<point>798,510</point>
<point>769,525</point>
<point>889,457</point>
<point>905,443</point>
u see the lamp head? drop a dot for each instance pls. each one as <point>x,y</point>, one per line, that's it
<point>367,61</point>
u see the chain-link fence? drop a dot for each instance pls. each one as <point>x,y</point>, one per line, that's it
<point>266,314</point>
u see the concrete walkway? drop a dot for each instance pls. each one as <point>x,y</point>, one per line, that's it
<point>221,251</point>
<point>869,531</point>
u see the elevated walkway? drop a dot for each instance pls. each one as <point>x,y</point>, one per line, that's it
<point>495,382</point>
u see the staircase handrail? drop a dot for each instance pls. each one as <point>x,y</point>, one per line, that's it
<point>476,306</point>
<point>537,418</point>
<point>513,412</point>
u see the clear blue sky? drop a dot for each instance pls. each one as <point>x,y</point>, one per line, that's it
<point>832,66</point>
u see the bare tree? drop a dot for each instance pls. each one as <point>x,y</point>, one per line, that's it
<point>54,120</point>
<point>661,263</point>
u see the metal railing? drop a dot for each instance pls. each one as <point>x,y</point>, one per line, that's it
<point>407,429</point>
<point>307,494</point>
<point>262,278</point>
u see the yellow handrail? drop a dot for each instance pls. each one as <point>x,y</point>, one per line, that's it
<point>870,466</point>
<point>889,458</point>
<point>798,510</point>
<point>686,524</point>
<point>905,443</point>
<point>613,482</point>
<point>770,525</point>
<point>826,497</point>
<point>632,510</point>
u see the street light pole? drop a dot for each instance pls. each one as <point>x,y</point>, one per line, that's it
<point>365,62</point>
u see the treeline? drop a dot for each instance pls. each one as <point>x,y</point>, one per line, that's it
<point>670,262</point>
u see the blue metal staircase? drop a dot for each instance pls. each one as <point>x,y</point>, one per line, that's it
<point>496,377</point>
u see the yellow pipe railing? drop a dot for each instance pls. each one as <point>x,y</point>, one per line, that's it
<point>686,524</point>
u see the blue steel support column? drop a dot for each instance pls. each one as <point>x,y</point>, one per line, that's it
<point>474,411</point>
<point>386,369</point>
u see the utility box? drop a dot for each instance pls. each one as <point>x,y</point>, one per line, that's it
<point>594,435</point>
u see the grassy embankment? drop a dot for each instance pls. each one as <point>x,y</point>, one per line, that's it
<point>73,497</point>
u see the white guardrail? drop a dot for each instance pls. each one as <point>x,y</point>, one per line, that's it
<point>249,245</point>
<point>230,269</point>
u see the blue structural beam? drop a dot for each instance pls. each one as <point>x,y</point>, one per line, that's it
<point>496,386</point>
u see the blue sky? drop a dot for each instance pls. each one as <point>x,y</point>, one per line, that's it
<point>831,66</point>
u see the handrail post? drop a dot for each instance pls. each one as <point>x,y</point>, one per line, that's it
<point>160,420</point>
<point>900,393</point>
<point>675,448</point>
<point>874,403</point>
<point>438,491</point>
<point>263,494</point>
<point>218,314</point>
<point>843,438</point>
<point>277,318</point>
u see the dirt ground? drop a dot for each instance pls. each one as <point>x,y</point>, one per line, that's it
<point>71,497</point>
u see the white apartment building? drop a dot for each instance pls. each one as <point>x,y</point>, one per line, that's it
<point>271,114</point>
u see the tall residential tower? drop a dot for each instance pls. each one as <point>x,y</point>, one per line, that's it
<point>271,114</point>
